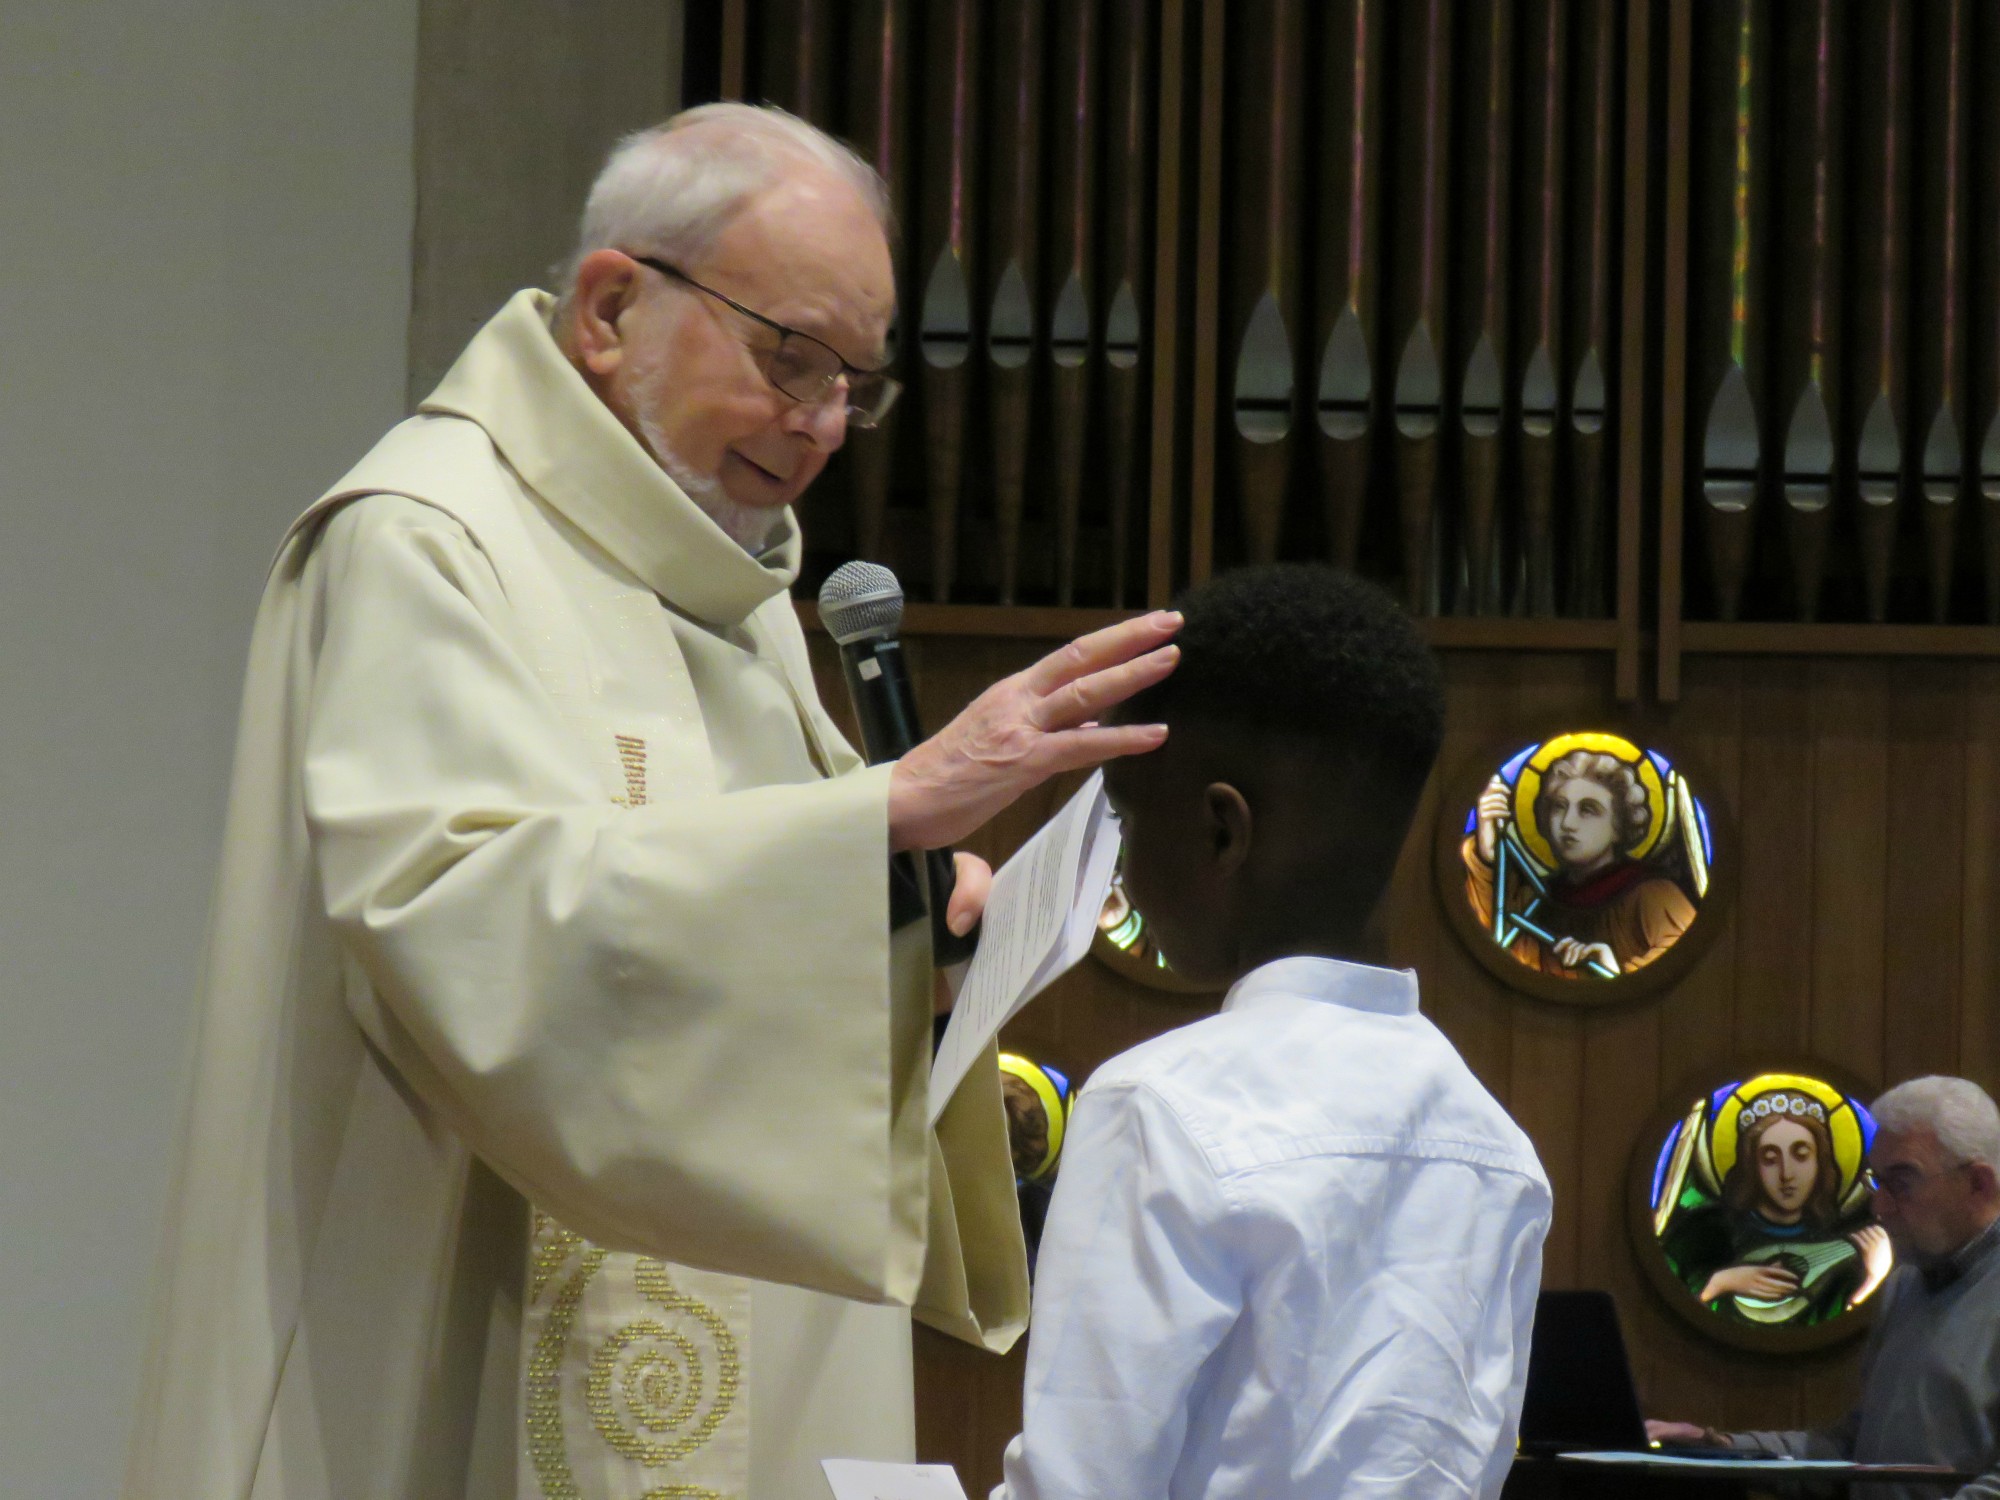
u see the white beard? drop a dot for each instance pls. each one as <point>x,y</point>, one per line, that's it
<point>749,526</point>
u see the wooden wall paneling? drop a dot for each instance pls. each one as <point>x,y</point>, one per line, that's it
<point>1420,289</point>
<point>1073,347</point>
<point>1617,1078</point>
<point>1805,366</point>
<point>1013,289</point>
<point>1469,1005</point>
<point>1207,292</point>
<point>1678,1371</point>
<point>878,123</point>
<point>1538,355</point>
<point>1774,899</point>
<point>1163,485</point>
<point>1674,381</point>
<point>1922,951</point>
<point>1263,330</point>
<point>1935,456</point>
<point>1591,317</point>
<point>1877,361</point>
<point>1545,1067</point>
<point>1850,839</point>
<point>1482,348</point>
<point>950,317</point>
<point>1979,968</point>
<point>1347,346</point>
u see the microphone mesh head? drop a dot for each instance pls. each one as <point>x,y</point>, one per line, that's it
<point>860,599</point>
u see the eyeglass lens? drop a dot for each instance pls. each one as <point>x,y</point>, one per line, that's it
<point>806,371</point>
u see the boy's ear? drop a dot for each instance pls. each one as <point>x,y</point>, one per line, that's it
<point>1230,827</point>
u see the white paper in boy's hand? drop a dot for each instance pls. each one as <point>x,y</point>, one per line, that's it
<point>859,1479</point>
<point>1039,921</point>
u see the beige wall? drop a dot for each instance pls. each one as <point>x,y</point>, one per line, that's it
<point>204,294</point>
<point>516,107</point>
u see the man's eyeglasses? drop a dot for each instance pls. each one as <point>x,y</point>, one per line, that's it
<point>801,366</point>
<point>1900,1182</point>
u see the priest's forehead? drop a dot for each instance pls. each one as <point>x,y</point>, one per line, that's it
<point>808,252</point>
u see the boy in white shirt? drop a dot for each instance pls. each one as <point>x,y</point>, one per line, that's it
<point>1295,1247</point>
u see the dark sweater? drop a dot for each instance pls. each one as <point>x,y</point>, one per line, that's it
<point>1930,1386</point>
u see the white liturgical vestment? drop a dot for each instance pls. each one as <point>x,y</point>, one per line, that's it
<point>547,882</point>
<point>1293,1254</point>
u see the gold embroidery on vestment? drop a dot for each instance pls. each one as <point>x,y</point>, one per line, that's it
<point>663,1387</point>
<point>632,757</point>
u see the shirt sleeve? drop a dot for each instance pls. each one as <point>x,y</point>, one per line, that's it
<point>672,1026</point>
<point>1135,1289</point>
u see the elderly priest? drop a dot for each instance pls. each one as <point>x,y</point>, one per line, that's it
<point>1930,1388</point>
<point>559,1122</point>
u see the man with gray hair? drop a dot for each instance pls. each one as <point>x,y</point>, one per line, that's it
<point>1930,1389</point>
<point>559,1120</point>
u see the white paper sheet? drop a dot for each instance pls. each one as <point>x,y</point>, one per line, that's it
<point>1039,921</point>
<point>860,1479</point>
<point>1745,1464</point>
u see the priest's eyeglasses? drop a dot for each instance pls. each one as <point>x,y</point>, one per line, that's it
<point>801,366</point>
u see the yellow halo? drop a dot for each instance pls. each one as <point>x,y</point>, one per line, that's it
<point>1528,786</point>
<point>1841,1122</point>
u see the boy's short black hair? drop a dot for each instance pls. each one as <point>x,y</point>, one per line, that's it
<point>1314,653</point>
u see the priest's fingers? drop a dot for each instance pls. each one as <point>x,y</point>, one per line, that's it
<point>1087,698</point>
<point>969,891</point>
<point>1100,649</point>
<point>1075,749</point>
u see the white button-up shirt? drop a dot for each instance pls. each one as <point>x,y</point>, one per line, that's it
<point>1293,1252</point>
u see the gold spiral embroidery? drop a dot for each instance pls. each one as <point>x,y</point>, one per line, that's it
<point>665,1385</point>
<point>661,1395</point>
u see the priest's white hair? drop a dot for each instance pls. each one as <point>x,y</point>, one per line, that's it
<point>1957,1111</point>
<point>670,190</point>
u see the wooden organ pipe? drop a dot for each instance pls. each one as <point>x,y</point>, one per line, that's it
<point>1543,54</point>
<point>795,64</point>
<point>1348,243</point>
<point>1483,264</point>
<point>1877,369</point>
<point>1128,244</point>
<point>946,327</point>
<point>1013,315</point>
<point>1420,295</point>
<point>1806,362</point>
<point>1072,341</point>
<point>1266,174</point>
<point>1593,198</point>
<point>1727,293</point>
<point>1940,285</point>
<point>878,125</point>
<point>1985,345</point>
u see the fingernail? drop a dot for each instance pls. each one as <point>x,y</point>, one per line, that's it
<point>959,925</point>
<point>1167,617</point>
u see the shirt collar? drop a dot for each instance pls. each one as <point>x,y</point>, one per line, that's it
<point>567,446</point>
<point>1963,1260</point>
<point>1391,992</point>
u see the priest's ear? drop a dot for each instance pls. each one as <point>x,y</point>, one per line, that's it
<point>608,283</point>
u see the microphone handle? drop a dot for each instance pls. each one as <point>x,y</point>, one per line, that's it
<point>878,681</point>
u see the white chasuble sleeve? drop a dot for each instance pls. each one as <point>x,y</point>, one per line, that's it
<point>670,1026</point>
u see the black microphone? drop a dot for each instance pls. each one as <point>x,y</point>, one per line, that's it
<point>861,606</point>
